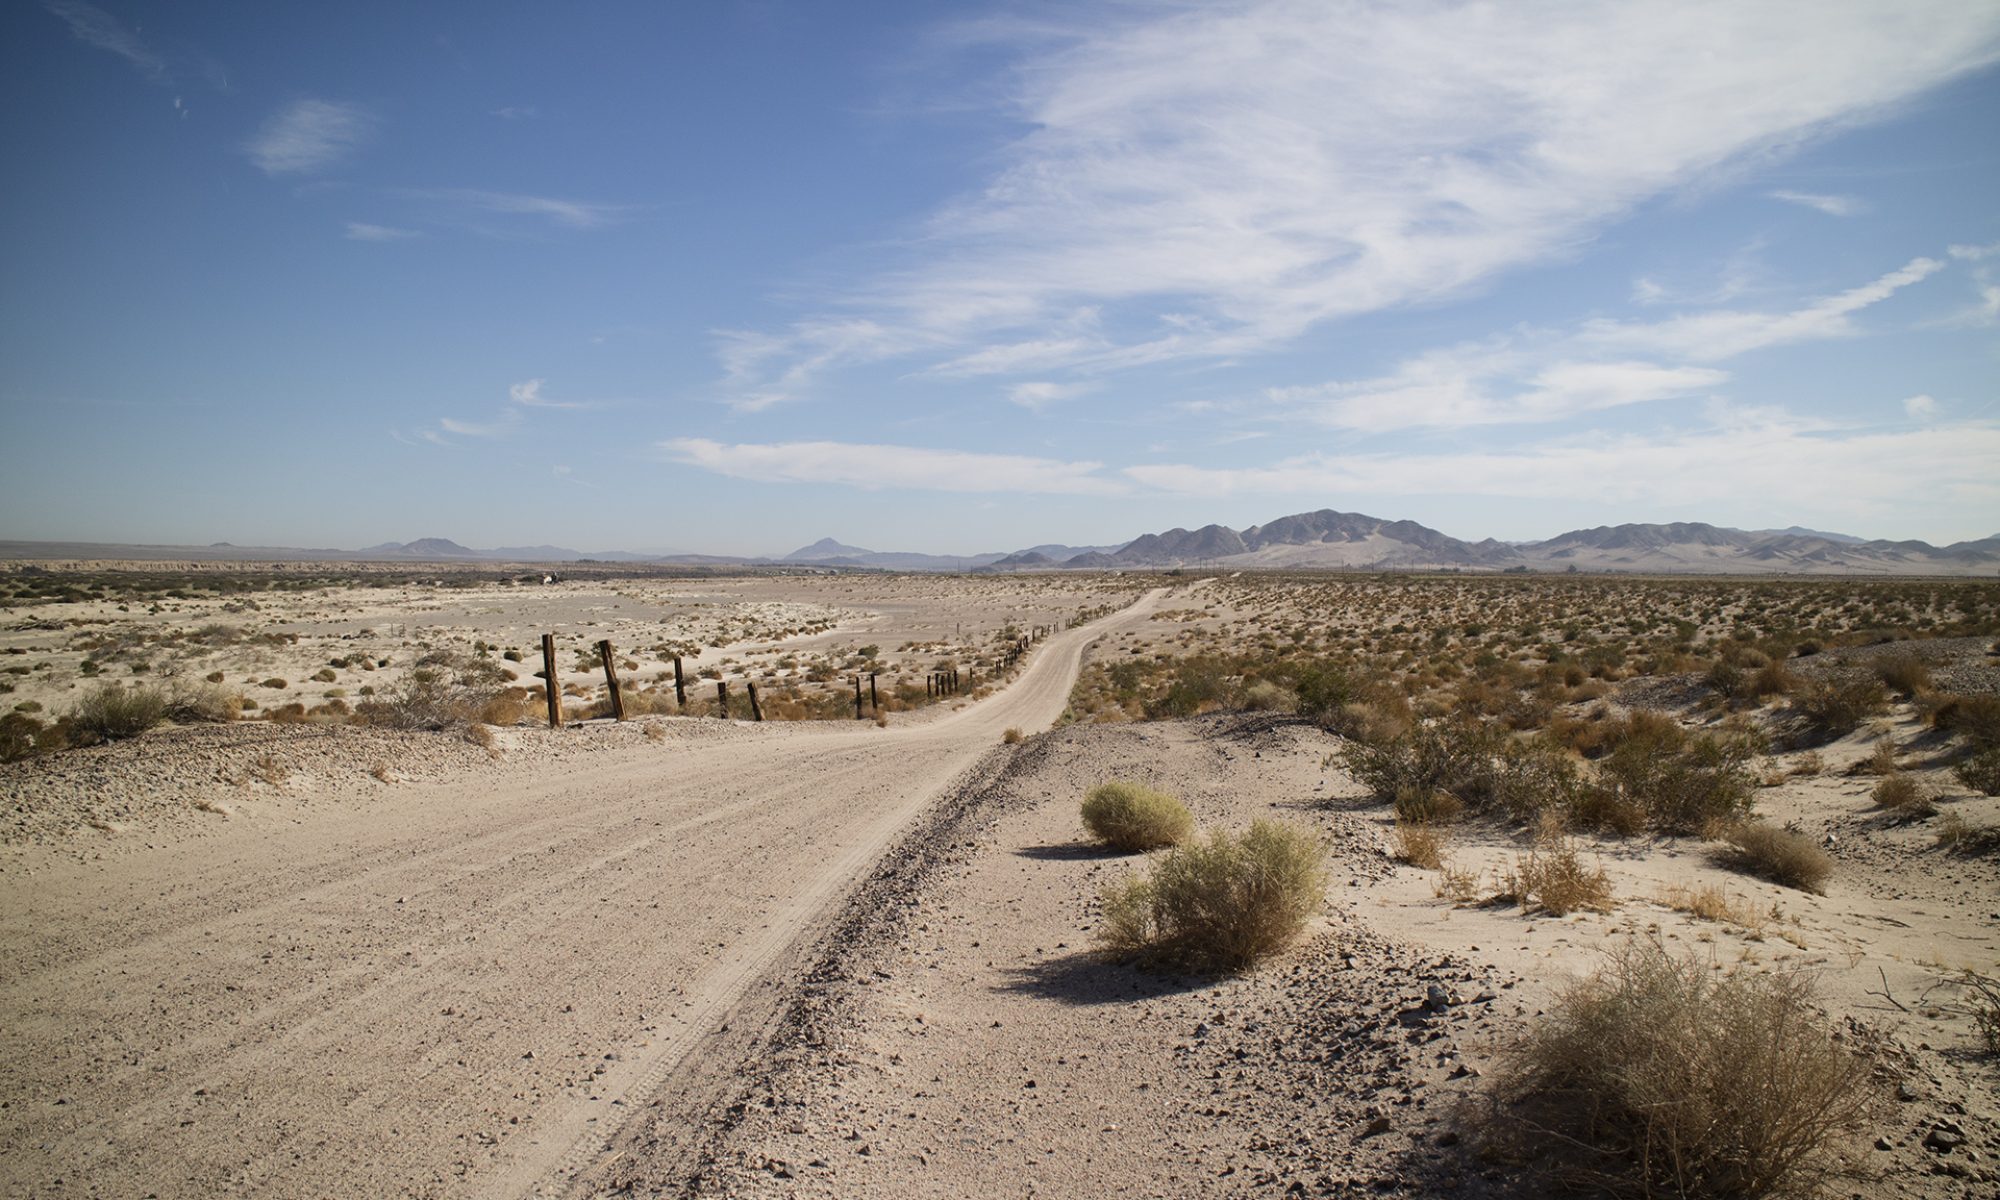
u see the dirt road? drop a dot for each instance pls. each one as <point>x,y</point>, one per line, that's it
<point>470,995</point>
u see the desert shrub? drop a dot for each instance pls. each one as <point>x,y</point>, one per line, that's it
<point>1980,772</point>
<point>202,704</point>
<point>1534,777</point>
<point>1012,737</point>
<point>1904,674</point>
<point>1452,757</point>
<point>1130,816</point>
<point>1266,696</point>
<point>1219,905</point>
<point>1902,794</point>
<point>1323,691</point>
<point>1779,855</point>
<point>112,712</point>
<point>1977,997</point>
<point>1976,718</point>
<point>22,736</point>
<point>1837,707</point>
<point>1771,679</point>
<point>1659,1076</point>
<point>1880,761</point>
<point>424,701</point>
<point>1198,685</point>
<point>1428,807</point>
<point>1958,834</point>
<point>1420,844</point>
<point>1681,781</point>
<point>1554,878</point>
<point>274,683</point>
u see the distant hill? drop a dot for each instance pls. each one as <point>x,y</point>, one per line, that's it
<point>1331,539</point>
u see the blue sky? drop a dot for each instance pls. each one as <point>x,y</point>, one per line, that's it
<point>729,278</point>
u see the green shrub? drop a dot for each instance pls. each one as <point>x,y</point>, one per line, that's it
<point>1220,905</point>
<point>1681,781</point>
<point>112,712</point>
<point>1323,692</point>
<point>1779,855</point>
<point>1659,1076</point>
<point>1130,816</point>
<point>1454,757</point>
<point>1837,707</point>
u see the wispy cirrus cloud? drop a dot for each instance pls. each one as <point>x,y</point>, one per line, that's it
<point>308,136</point>
<point>875,467</point>
<point>1832,206</point>
<point>510,419</point>
<point>1038,394</point>
<point>571,214</point>
<point>95,27</point>
<point>1215,180</point>
<point>1711,336</point>
<point>363,231</point>
<point>1544,375</point>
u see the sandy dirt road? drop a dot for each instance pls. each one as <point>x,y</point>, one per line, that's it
<point>467,996</point>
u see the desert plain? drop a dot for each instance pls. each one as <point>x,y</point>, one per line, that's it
<point>342,915</point>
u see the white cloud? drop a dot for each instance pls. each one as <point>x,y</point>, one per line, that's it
<point>507,422</point>
<point>308,136</point>
<point>362,231</point>
<point>1922,407</point>
<point>1039,394</point>
<point>1832,206</point>
<point>93,26</point>
<point>1711,336</point>
<point>1221,178</point>
<point>1766,461</point>
<point>873,467</point>
<point>575,214</point>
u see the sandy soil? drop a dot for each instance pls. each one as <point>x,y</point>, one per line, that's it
<point>961,1039</point>
<point>466,991</point>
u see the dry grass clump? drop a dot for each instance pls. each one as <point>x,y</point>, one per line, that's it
<point>1554,879</point>
<point>113,712</point>
<point>1219,905</point>
<point>1659,1076</point>
<point>1012,737</point>
<point>1905,674</point>
<point>1901,794</point>
<point>1420,844</point>
<point>1976,718</point>
<point>1779,855</point>
<point>1962,836</point>
<point>1131,816</point>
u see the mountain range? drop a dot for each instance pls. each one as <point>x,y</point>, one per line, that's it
<point>1320,540</point>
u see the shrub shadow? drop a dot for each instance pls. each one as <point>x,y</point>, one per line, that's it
<point>1073,852</point>
<point>1085,979</point>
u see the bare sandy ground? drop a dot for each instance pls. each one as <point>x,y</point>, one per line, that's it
<point>470,991</point>
<point>962,1039</point>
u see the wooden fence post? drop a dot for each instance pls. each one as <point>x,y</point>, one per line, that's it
<point>722,698</point>
<point>756,709</point>
<point>874,696</point>
<point>550,684</point>
<point>604,651</point>
<point>857,697</point>
<point>680,684</point>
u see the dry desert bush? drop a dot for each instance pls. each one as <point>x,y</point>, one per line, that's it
<point>1554,878</point>
<point>1957,834</point>
<point>1905,796</point>
<point>1762,849</point>
<point>1219,905</point>
<point>1661,1076</point>
<point>1420,844</point>
<point>1133,817</point>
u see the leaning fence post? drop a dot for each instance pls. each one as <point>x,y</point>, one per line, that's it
<point>680,685</point>
<point>611,680</point>
<point>551,686</point>
<point>756,710</point>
